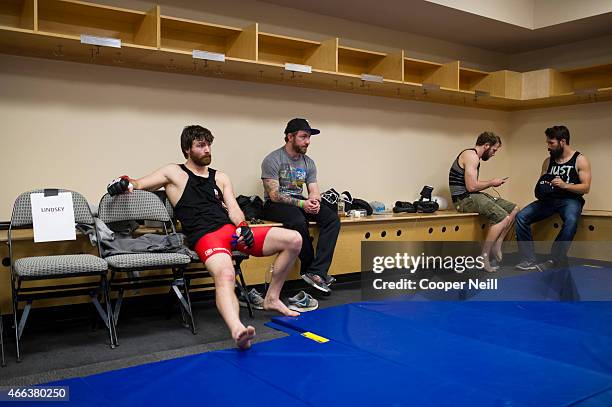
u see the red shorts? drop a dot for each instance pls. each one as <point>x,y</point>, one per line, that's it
<point>220,241</point>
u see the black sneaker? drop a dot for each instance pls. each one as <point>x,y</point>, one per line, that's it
<point>316,281</point>
<point>329,280</point>
<point>526,265</point>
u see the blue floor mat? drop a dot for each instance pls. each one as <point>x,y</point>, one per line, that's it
<point>515,373</point>
<point>396,353</point>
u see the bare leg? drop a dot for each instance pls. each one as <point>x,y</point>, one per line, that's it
<point>493,234</point>
<point>497,246</point>
<point>287,243</point>
<point>221,268</point>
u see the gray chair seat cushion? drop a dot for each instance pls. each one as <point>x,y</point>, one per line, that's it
<point>42,266</point>
<point>145,260</point>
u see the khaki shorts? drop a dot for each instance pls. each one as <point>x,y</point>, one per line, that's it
<point>495,209</point>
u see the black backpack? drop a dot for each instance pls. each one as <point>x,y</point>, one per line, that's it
<point>252,206</point>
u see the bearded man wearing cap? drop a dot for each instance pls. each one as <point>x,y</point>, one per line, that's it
<point>565,178</point>
<point>284,172</point>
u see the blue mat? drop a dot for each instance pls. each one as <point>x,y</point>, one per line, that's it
<point>397,353</point>
<point>453,342</point>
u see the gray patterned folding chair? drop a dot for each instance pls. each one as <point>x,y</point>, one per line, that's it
<point>142,205</point>
<point>3,362</point>
<point>193,273</point>
<point>54,267</point>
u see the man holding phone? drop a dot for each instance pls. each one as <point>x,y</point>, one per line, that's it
<point>565,178</point>
<point>466,192</point>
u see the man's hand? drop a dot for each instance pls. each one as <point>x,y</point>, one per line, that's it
<point>119,186</point>
<point>496,182</point>
<point>558,183</point>
<point>312,206</point>
<point>243,234</point>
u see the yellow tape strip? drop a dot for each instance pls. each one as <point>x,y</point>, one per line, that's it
<point>315,337</point>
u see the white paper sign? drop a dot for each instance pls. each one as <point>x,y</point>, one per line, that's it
<point>210,56</point>
<point>53,217</point>
<point>101,41</point>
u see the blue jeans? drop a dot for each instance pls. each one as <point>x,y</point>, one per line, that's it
<point>568,209</point>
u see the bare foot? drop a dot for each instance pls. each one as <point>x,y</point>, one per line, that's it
<point>243,337</point>
<point>487,265</point>
<point>278,306</point>
<point>497,253</point>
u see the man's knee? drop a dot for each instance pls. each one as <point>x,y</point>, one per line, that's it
<point>223,275</point>
<point>571,222</point>
<point>294,241</point>
<point>521,218</point>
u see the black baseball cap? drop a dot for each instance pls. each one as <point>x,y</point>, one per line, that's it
<point>300,124</point>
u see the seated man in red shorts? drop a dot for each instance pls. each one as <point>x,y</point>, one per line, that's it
<point>204,203</point>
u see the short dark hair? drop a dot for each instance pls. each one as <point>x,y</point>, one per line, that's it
<point>488,137</point>
<point>194,132</point>
<point>290,134</point>
<point>558,133</point>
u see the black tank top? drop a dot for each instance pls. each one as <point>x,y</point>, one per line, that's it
<point>568,172</point>
<point>200,209</point>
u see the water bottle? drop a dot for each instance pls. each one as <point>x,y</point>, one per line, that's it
<point>341,207</point>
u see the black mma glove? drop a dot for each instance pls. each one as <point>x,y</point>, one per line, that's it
<point>120,185</point>
<point>243,230</point>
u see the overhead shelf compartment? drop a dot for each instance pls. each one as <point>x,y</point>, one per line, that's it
<point>186,35</point>
<point>281,50</point>
<point>75,18</point>
<point>18,14</point>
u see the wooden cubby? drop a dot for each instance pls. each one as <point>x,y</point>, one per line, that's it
<point>18,14</point>
<point>354,61</point>
<point>279,49</point>
<point>74,18</point>
<point>52,29</point>
<point>501,84</point>
<point>473,79</point>
<point>185,35</point>
<point>588,79</point>
<point>421,72</point>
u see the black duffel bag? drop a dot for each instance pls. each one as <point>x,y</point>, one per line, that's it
<point>252,206</point>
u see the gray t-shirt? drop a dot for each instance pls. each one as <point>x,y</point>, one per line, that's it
<point>290,173</point>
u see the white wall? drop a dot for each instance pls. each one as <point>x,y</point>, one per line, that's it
<point>78,126</point>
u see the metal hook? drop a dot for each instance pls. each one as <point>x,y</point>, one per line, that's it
<point>58,52</point>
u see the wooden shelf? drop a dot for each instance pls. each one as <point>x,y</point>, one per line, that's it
<point>74,18</point>
<point>279,49</point>
<point>185,35</point>
<point>18,14</point>
<point>473,80</point>
<point>53,29</point>
<point>421,72</point>
<point>584,80</point>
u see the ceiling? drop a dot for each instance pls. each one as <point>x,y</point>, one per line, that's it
<point>445,23</point>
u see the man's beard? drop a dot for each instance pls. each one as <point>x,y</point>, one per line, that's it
<point>202,161</point>
<point>301,150</point>
<point>486,154</point>
<point>556,153</point>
